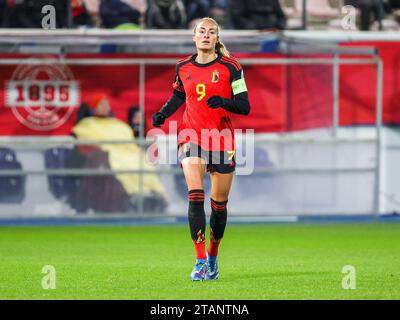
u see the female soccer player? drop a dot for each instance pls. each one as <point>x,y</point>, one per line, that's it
<point>211,83</point>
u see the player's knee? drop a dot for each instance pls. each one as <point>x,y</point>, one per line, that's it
<point>194,182</point>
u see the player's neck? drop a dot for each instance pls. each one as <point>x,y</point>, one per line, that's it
<point>205,56</point>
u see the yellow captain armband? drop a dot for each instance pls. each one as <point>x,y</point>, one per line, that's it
<point>239,86</point>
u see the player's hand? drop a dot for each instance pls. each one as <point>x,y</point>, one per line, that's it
<point>215,102</point>
<point>158,119</point>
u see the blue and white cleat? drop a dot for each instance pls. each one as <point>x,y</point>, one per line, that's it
<point>199,271</point>
<point>212,270</point>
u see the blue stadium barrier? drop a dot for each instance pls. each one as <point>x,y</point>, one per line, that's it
<point>257,183</point>
<point>62,187</point>
<point>12,188</point>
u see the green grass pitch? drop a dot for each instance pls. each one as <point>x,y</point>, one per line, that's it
<point>266,261</point>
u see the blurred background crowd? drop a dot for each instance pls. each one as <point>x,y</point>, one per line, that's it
<point>183,14</point>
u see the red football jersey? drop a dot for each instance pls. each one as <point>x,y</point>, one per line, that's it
<point>207,127</point>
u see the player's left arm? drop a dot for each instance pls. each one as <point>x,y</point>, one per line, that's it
<point>239,103</point>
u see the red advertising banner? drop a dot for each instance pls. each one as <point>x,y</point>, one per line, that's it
<point>42,98</point>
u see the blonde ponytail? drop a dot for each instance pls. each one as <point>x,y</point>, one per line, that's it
<point>220,46</point>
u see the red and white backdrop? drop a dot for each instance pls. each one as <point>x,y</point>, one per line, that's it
<point>282,98</point>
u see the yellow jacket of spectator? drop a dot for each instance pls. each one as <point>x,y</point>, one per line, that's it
<point>125,156</point>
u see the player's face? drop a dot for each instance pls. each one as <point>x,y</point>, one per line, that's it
<point>206,36</point>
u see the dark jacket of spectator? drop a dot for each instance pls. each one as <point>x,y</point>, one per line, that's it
<point>115,12</point>
<point>134,119</point>
<point>257,14</point>
<point>166,14</point>
<point>394,4</point>
<point>367,8</point>
<point>3,13</point>
<point>196,9</point>
<point>28,13</point>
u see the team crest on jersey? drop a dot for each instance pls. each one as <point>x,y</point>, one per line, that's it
<point>215,76</point>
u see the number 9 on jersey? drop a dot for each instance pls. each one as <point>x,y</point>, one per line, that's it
<point>201,91</point>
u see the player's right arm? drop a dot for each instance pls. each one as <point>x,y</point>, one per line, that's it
<point>174,102</point>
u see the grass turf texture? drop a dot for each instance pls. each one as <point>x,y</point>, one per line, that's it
<point>271,261</point>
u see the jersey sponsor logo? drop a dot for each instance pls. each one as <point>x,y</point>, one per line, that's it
<point>215,76</point>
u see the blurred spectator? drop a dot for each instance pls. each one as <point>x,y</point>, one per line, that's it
<point>166,14</point>
<point>394,7</point>
<point>367,8</point>
<point>79,13</point>
<point>139,5</point>
<point>195,10</point>
<point>83,111</point>
<point>394,4</point>
<point>120,192</point>
<point>257,14</point>
<point>92,7</point>
<point>134,117</point>
<point>28,13</point>
<point>127,14</point>
<point>3,13</point>
<point>218,11</point>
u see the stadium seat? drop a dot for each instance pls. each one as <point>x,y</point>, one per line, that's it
<point>12,188</point>
<point>62,187</point>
